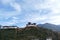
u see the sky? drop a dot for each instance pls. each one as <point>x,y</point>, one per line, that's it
<point>19,12</point>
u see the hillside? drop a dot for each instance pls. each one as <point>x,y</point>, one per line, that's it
<point>50,26</point>
<point>27,33</point>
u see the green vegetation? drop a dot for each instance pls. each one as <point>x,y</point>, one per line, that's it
<point>27,33</point>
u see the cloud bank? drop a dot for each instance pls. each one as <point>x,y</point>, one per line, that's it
<point>18,12</point>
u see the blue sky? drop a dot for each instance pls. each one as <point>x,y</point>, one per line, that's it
<point>19,12</point>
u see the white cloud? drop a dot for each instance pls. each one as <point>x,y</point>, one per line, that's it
<point>54,6</point>
<point>34,18</point>
<point>52,17</point>
<point>6,15</point>
<point>12,21</point>
<point>16,6</point>
<point>12,3</point>
<point>6,1</point>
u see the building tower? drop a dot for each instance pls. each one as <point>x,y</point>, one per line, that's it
<point>31,24</point>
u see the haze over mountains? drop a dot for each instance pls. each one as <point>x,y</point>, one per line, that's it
<point>50,26</point>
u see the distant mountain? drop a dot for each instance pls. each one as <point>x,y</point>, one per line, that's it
<point>50,26</point>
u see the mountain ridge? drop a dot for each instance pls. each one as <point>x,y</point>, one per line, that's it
<point>50,26</point>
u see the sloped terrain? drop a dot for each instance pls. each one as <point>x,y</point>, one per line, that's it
<point>50,26</point>
<point>27,33</point>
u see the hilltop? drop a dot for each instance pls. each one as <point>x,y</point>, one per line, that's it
<point>30,32</point>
